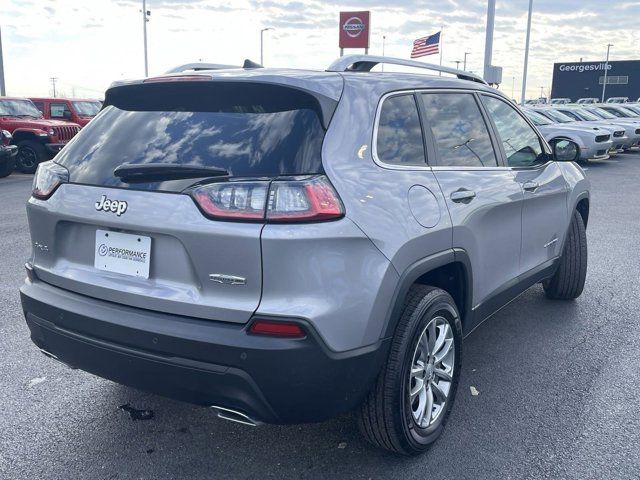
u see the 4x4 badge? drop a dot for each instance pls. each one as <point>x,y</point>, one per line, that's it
<point>114,206</point>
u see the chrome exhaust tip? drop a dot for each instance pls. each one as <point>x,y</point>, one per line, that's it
<point>234,416</point>
<point>53,357</point>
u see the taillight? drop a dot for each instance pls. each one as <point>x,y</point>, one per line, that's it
<point>48,178</point>
<point>276,329</point>
<point>299,199</point>
<point>233,200</point>
<point>308,200</point>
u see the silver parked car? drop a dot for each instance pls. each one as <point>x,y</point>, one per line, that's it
<point>285,246</point>
<point>593,144</point>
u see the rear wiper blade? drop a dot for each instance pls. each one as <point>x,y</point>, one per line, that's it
<point>129,172</point>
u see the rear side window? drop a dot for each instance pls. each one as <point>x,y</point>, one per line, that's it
<point>249,131</point>
<point>399,139</point>
<point>459,130</point>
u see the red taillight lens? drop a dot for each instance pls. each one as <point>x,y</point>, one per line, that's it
<point>48,178</point>
<point>277,329</point>
<point>309,199</point>
<point>233,200</point>
<point>306,200</point>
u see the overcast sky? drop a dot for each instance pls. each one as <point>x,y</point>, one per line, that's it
<point>87,44</point>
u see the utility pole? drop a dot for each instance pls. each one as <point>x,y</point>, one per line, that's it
<point>465,61</point>
<point>384,38</point>
<point>606,70</point>
<point>488,43</point>
<point>53,84</point>
<point>262,44</point>
<point>526,54</point>
<point>145,18</point>
<point>3,90</point>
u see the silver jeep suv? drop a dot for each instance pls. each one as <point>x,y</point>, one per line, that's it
<point>285,246</point>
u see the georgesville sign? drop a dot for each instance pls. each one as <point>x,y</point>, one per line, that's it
<point>354,29</point>
<point>584,79</point>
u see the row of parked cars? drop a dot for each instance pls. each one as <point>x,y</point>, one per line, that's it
<point>580,101</point>
<point>33,130</point>
<point>599,130</point>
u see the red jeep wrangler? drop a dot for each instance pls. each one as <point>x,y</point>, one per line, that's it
<point>76,110</point>
<point>37,139</point>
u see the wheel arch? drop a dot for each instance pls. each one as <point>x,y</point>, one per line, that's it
<point>20,135</point>
<point>449,270</point>
<point>582,206</point>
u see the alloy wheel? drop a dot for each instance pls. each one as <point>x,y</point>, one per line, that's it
<point>431,374</point>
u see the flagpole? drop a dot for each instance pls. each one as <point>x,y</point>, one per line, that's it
<point>441,43</point>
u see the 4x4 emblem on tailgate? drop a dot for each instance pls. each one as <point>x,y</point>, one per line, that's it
<point>114,206</point>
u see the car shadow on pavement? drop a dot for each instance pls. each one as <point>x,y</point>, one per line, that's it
<point>522,342</point>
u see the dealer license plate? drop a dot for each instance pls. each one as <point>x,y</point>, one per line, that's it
<point>123,253</point>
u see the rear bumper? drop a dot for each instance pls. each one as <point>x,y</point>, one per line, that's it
<point>273,380</point>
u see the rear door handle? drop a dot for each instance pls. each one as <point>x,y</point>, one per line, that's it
<point>462,195</point>
<point>530,186</point>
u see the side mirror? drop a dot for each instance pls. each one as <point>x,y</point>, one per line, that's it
<point>66,114</point>
<point>565,150</point>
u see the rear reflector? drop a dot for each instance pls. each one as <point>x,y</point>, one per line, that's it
<point>276,329</point>
<point>299,199</point>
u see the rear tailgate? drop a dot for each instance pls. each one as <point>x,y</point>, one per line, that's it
<point>199,266</point>
<point>186,248</point>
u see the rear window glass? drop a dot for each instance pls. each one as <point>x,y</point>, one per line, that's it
<point>245,137</point>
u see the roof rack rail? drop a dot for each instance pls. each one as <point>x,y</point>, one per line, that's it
<point>211,66</point>
<point>364,63</point>
<point>200,66</point>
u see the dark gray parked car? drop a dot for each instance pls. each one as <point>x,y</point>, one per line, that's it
<point>286,246</point>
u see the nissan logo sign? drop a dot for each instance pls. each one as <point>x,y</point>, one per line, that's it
<point>353,27</point>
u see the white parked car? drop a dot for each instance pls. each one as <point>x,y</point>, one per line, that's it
<point>587,100</point>
<point>593,144</point>
<point>625,134</point>
<point>560,101</point>
<point>559,117</point>
<point>617,100</point>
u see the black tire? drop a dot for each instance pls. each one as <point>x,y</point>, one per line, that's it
<point>30,154</point>
<point>7,167</point>
<point>385,417</point>
<point>568,281</point>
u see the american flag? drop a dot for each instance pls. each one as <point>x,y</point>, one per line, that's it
<point>426,46</point>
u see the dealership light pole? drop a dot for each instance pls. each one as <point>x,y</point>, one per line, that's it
<point>606,70</point>
<point>526,54</point>
<point>145,18</point>
<point>262,43</point>
<point>3,91</point>
<point>465,61</point>
<point>384,38</point>
<point>488,43</point>
<point>457,62</point>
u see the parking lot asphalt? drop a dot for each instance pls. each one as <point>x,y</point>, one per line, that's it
<point>558,383</point>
